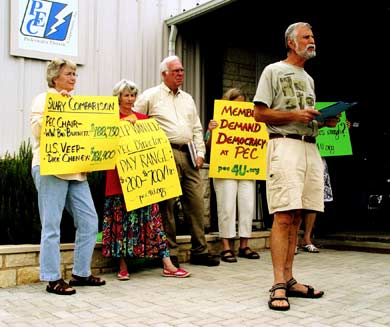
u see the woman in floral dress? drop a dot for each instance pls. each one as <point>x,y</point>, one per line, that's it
<point>138,233</point>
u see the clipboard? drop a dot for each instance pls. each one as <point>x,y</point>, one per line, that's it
<point>334,109</point>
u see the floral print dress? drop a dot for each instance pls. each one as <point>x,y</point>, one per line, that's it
<point>134,234</point>
<point>328,194</point>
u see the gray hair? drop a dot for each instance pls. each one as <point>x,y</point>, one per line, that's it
<point>122,85</point>
<point>54,69</point>
<point>166,61</point>
<point>233,94</point>
<point>291,32</point>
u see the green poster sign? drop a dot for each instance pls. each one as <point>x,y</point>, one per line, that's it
<point>334,141</point>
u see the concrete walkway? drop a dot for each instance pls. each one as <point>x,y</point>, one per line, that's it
<point>356,285</point>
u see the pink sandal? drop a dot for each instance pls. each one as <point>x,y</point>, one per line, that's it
<point>180,273</point>
<point>123,275</point>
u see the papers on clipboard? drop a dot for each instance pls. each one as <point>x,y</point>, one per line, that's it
<point>334,109</point>
<point>192,149</point>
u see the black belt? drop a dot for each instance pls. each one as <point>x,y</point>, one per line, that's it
<point>305,138</point>
<point>180,147</point>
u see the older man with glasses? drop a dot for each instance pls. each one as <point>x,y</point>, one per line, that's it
<point>175,111</point>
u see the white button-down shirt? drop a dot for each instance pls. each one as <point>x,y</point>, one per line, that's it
<point>175,113</point>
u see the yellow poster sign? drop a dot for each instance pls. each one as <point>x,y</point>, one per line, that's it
<point>238,144</point>
<point>145,163</point>
<point>79,134</point>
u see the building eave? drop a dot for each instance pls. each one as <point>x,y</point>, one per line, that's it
<point>197,11</point>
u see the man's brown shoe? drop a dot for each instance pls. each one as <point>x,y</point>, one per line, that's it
<point>205,259</point>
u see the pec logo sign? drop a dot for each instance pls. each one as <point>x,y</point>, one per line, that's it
<point>46,19</point>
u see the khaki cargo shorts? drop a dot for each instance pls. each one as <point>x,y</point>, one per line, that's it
<point>295,176</point>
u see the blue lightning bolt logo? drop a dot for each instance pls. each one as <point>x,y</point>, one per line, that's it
<point>58,22</point>
<point>47,19</point>
<point>60,17</point>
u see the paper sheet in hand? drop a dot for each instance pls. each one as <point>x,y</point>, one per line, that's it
<point>192,149</point>
<point>334,109</point>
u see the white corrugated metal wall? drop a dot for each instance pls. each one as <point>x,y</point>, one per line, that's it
<point>120,39</point>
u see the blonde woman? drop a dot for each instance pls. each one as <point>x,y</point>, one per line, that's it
<point>55,192</point>
<point>231,193</point>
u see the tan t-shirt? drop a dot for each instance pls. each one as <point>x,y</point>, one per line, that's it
<point>287,87</point>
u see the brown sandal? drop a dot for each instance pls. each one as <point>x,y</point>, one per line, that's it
<point>60,287</point>
<point>309,293</point>
<point>248,253</point>
<point>228,256</point>
<point>272,298</point>
<point>86,281</point>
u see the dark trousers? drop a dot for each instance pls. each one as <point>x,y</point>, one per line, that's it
<point>192,204</point>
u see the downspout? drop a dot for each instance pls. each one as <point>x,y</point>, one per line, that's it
<point>172,40</point>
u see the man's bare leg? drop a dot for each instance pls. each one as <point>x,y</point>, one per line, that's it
<point>293,239</point>
<point>310,218</point>
<point>309,223</point>
<point>280,247</point>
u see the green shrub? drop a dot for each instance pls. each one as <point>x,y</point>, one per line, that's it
<point>19,214</point>
<point>19,219</point>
